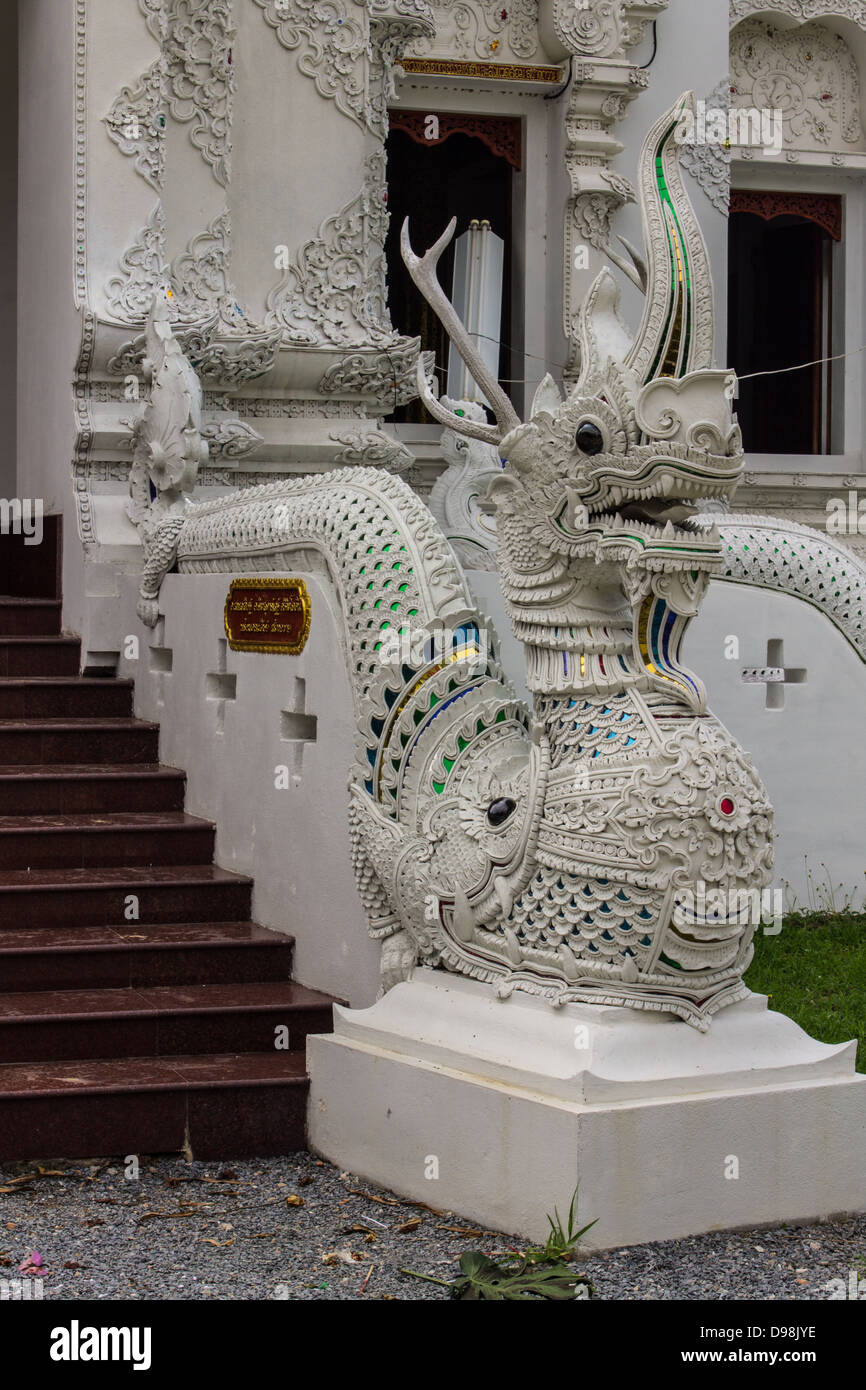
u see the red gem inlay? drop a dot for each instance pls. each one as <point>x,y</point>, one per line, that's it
<point>726,806</point>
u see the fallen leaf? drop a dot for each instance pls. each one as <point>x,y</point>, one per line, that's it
<point>305,1182</point>
<point>461,1230</point>
<point>344,1257</point>
<point>411,1225</point>
<point>370,1238</point>
<point>262,1235</point>
<point>372,1197</point>
<point>220,1244</point>
<point>226,1175</point>
<point>293,1200</point>
<point>94,1221</point>
<point>72,1264</point>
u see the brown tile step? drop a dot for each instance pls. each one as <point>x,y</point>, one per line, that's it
<point>64,697</point>
<point>104,840</point>
<point>101,897</point>
<point>161,953</point>
<point>39,656</point>
<point>217,1107</point>
<point>28,617</point>
<point>68,788</point>
<point>159,1021</point>
<point>48,741</point>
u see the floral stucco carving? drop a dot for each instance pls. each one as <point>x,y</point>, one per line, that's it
<point>808,73</point>
<point>137,123</point>
<point>330,38</point>
<point>335,291</point>
<point>709,163</point>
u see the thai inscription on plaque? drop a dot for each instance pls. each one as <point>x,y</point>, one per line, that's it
<point>268,615</point>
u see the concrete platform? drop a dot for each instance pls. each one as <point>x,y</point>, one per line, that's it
<point>495,1109</point>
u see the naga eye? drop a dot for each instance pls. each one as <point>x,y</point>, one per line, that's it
<point>499,811</point>
<point>589,438</point>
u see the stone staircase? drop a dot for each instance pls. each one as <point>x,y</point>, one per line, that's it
<point>139,1004</point>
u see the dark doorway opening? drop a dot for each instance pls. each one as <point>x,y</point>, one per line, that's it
<point>462,178</point>
<point>780,316</point>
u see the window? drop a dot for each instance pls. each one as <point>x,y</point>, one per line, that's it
<point>462,174</point>
<point>781,268</point>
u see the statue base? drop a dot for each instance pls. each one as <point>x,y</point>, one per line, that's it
<point>496,1109</point>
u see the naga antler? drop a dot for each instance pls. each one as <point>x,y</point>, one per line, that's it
<point>423,272</point>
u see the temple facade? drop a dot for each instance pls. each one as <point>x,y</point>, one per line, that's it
<point>250,162</point>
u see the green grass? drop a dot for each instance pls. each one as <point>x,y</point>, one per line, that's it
<point>815,972</point>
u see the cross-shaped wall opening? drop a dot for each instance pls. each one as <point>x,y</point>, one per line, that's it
<point>298,727</point>
<point>221,685</point>
<point>775,675</point>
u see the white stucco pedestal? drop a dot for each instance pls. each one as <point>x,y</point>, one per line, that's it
<point>495,1109</point>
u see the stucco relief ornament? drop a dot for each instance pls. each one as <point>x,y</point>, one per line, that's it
<point>558,850</point>
<point>372,449</point>
<point>168,449</point>
<point>331,45</point>
<point>202,283</point>
<point>596,29</point>
<point>229,438</point>
<point>335,292</point>
<point>709,162</point>
<point>808,73</point>
<point>143,273</point>
<point>387,377</point>
<point>493,29</point>
<point>136,123</point>
<point>200,79</point>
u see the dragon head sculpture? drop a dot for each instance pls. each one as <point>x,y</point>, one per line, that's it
<point>612,845</point>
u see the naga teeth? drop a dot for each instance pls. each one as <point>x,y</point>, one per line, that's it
<point>618,522</point>
<point>668,532</point>
<point>463,918</point>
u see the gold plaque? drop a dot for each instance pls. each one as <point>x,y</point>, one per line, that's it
<point>268,615</point>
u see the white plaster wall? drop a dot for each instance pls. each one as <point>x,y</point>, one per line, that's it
<point>294,842</point>
<point>810,754</point>
<point>48,325</point>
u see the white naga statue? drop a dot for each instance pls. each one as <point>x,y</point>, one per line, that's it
<point>168,449</point>
<point>556,849</point>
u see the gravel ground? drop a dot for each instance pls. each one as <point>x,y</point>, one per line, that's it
<point>293,1227</point>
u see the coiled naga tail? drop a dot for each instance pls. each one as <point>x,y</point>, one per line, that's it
<point>610,845</point>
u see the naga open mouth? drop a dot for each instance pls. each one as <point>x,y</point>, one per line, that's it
<point>659,506</point>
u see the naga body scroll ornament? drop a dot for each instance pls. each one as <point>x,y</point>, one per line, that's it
<point>564,850</point>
